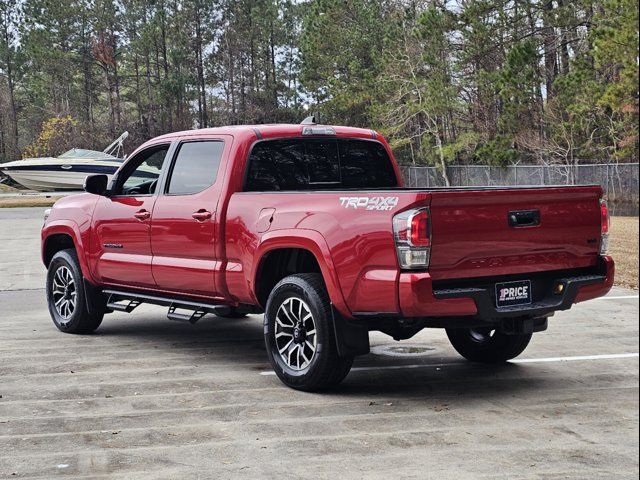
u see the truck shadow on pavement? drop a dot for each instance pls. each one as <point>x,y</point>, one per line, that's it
<point>238,344</point>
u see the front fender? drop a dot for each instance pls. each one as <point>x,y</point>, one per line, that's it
<point>70,228</point>
<point>312,241</point>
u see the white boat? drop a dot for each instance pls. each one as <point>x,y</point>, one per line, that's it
<point>67,171</point>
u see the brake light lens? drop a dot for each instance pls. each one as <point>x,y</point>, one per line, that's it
<point>318,131</point>
<point>604,227</point>
<point>412,235</point>
<point>420,229</point>
<point>604,215</point>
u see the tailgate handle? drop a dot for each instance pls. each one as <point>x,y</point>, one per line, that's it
<point>524,218</point>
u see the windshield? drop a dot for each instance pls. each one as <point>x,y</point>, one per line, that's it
<point>81,153</point>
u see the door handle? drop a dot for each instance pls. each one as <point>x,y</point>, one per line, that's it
<point>142,214</point>
<point>524,218</point>
<point>201,215</point>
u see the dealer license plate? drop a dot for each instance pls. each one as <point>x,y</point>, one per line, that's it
<point>513,293</point>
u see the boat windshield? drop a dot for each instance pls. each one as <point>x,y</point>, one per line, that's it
<point>82,153</point>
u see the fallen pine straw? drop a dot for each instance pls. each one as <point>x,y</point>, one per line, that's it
<point>27,201</point>
<point>624,250</point>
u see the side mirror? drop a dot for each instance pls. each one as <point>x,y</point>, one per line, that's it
<point>96,184</point>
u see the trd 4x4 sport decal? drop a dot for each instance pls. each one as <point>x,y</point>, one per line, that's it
<point>369,203</point>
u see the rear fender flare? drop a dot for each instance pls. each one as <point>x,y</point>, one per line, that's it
<point>312,241</point>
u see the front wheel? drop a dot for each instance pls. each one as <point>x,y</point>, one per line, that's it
<point>487,345</point>
<point>299,334</point>
<point>66,295</point>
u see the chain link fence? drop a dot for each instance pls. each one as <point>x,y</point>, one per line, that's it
<point>619,180</point>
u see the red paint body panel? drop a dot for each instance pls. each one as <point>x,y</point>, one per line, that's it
<point>72,217</point>
<point>472,236</point>
<point>589,292</point>
<point>121,243</point>
<point>417,300</point>
<point>219,258</point>
<point>184,248</point>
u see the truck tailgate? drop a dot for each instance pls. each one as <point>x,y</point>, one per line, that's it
<point>475,233</point>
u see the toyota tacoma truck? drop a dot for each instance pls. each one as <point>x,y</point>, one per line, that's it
<point>311,225</point>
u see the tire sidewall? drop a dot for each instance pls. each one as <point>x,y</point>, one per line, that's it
<point>496,349</point>
<point>65,258</point>
<point>497,341</point>
<point>296,287</point>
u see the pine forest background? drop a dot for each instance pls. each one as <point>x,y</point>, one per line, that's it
<point>487,82</point>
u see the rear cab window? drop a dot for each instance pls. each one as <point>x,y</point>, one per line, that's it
<point>195,167</point>
<point>318,164</point>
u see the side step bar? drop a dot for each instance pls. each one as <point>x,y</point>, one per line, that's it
<point>124,301</point>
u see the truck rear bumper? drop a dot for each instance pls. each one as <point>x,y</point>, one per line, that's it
<point>419,297</point>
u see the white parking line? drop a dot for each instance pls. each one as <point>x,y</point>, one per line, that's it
<point>615,298</point>
<point>576,358</point>
<point>517,360</point>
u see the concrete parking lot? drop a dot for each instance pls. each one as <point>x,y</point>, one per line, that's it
<point>149,398</point>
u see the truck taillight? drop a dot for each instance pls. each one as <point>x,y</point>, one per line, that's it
<point>412,234</point>
<point>604,227</point>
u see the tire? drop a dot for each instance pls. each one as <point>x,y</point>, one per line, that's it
<point>486,345</point>
<point>318,366</point>
<point>65,286</point>
<point>233,313</point>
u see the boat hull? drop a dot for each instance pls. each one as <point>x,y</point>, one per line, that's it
<point>47,177</point>
<point>47,180</point>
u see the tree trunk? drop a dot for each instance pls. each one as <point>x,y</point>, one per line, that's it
<point>564,42</point>
<point>539,94</point>
<point>151,121</point>
<point>274,87</point>
<point>136,68</point>
<point>116,85</point>
<point>550,60</point>
<point>13,110</point>
<point>87,81</point>
<point>202,97</point>
<point>165,63</point>
<point>232,81</point>
<point>443,163</point>
<point>3,145</point>
<point>162,111</point>
<point>112,107</point>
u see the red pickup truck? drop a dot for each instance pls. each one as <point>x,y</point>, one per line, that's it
<point>311,225</point>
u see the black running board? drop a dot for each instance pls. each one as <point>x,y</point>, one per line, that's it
<point>127,301</point>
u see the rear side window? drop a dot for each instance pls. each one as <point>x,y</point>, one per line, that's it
<point>195,167</point>
<point>318,164</point>
<point>365,164</point>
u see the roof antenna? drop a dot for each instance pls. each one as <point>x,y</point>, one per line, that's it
<point>310,120</point>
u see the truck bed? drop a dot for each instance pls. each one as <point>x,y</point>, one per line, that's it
<point>471,236</point>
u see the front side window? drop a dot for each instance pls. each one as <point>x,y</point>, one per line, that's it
<point>141,173</point>
<point>318,164</point>
<point>195,167</point>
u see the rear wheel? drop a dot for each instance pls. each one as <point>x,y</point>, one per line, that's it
<point>66,296</point>
<point>299,335</point>
<point>487,345</point>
